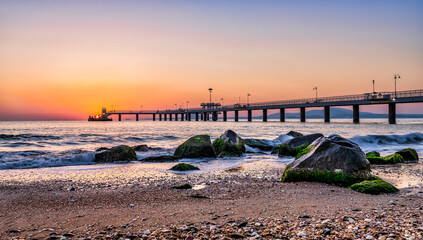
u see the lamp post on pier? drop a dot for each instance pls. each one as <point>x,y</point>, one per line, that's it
<point>374,86</point>
<point>395,82</point>
<point>210,89</point>
<point>248,99</point>
<point>222,101</point>
<point>315,89</point>
<point>187,105</point>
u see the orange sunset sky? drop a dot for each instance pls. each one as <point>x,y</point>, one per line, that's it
<point>67,59</point>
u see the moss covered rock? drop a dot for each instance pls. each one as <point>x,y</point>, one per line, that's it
<point>409,154</point>
<point>198,146</point>
<point>304,151</point>
<point>184,167</point>
<point>372,154</point>
<point>120,153</point>
<point>377,186</point>
<point>328,177</point>
<point>393,158</point>
<point>301,140</point>
<point>229,144</point>
<point>285,150</point>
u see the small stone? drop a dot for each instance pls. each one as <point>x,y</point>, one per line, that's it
<point>147,232</point>
<point>212,228</point>
<point>301,234</point>
<point>132,205</point>
<point>369,237</point>
<point>368,220</point>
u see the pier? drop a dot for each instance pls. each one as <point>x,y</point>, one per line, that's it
<point>211,111</point>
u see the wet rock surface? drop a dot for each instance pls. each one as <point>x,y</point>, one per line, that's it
<point>199,146</point>
<point>120,153</point>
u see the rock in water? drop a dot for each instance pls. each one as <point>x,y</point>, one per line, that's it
<point>229,144</point>
<point>258,143</point>
<point>409,154</point>
<point>198,146</point>
<point>299,141</point>
<point>161,158</point>
<point>120,153</point>
<point>332,160</point>
<point>294,134</point>
<point>141,148</point>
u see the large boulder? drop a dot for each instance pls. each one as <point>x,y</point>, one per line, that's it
<point>300,141</point>
<point>330,159</point>
<point>198,146</point>
<point>409,154</point>
<point>120,153</point>
<point>259,143</point>
<point>229,144</point>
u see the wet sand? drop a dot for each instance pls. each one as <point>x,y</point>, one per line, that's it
<point>136,200</point>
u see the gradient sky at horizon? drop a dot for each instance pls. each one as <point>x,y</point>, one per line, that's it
<point>67,59</point>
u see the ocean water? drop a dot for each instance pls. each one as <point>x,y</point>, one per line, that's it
<point>40,144</point>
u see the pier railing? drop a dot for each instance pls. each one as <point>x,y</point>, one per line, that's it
<point>377,96</point>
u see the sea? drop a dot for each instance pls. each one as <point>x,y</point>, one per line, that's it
<point>50,144</point>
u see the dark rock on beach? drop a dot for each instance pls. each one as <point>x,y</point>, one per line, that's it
<point>301,140</point>
<point>229,144</point>
<point>334,153</point>
<point>120,153</point>
<point>332,160</point>
<point>199,146</point>
<point>294,134</point>
<point>409,154</point>
<point>101,149</point>
<point>162,158</point>
<point>258,143</point>
<point>184,167</point>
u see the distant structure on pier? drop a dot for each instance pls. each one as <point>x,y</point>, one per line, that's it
<point>210,105</point>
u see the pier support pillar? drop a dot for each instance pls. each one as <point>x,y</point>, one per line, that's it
<point>170,116</point>
<point>137,117</point>
<point>203,116</point>
<point>250,115</point>
<point>196,116</point>
<point>160,117</point>
<point>236,115</point>
<point>225,116</point>
<point>154,117</point>
<point>392,113</point>
<point>214,116</point>
<point>176,117</point>
<point>356,113</point>
<point>182,117</point>
<point>186,116</point>
<point>327,114</point>
<point>189,116</point>
<point>282,115</point>
<point>264,115</point>
<point>302,114</point>
<point>120,117</point>
<point>208,116</point>
<point>165,117</point>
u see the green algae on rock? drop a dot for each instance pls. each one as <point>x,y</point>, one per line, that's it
<point>184,167</point>
<point>372,154</point>
<point>328,177</point>
<point>229,144</point>
<point>409,154</point>
<point>390,159</point>
<point>375,187</point>
<point>285,150</point>
<point>120,153</point>
<point>198,146</point>
<point>304,151</point>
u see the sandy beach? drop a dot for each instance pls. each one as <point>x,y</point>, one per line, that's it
<point>136,201</point>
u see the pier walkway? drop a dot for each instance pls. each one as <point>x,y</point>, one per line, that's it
<point>203,113</point>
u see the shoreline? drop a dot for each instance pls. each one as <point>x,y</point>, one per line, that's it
<point>129,200</point>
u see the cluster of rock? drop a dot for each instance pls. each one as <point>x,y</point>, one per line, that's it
<point>407,155</point>
<point>331,160</point>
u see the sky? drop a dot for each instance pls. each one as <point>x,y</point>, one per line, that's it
<point>68,59</point>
